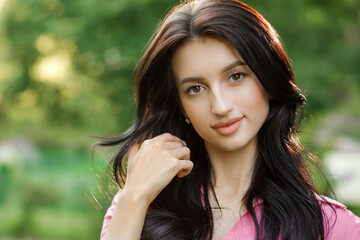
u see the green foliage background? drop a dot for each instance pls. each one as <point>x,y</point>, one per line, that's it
<point>65,73</point>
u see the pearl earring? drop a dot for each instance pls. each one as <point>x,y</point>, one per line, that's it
<point>187,120</point>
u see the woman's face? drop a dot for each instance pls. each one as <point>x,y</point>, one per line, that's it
<point>220,95</point>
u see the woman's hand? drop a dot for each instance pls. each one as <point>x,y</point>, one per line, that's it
<point>154,164</point>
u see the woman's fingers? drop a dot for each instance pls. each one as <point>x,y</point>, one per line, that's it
<point>182,153</point>
<point>172,145</point>
<point>186,167</point>
<point>155,163</point>
<point>167,137</point>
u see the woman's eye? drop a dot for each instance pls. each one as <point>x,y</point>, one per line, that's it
<point>236,77</point>
<point>194,89</point>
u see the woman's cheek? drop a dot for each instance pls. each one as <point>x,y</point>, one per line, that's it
<point>197,112</point>
<point>260,101</point>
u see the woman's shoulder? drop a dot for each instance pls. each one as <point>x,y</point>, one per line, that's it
<point>339,222</point>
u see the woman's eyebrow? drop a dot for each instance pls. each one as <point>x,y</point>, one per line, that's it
<point>227,68</point>
<point>232,65</point>
<point>191,79</point>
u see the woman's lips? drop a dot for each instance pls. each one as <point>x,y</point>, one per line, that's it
<point>227,127</point>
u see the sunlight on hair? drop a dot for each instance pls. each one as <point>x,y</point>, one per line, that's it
<point>102,190</point>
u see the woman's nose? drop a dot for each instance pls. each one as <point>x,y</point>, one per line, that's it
<point>221,104</point>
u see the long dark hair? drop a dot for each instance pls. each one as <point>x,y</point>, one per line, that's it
<point>280,177</point>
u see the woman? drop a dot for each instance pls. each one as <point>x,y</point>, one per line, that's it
<point>214,152</point>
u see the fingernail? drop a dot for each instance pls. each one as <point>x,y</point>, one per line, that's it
<point>184,142</point>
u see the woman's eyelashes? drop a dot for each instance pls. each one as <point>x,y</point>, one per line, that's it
<point>195,89</point>
<point>236,77</point>
<point>233,78</point>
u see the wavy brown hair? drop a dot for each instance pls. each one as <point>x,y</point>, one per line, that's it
<point>280,177</point>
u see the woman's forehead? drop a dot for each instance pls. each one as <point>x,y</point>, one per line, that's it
<point>199,54</point>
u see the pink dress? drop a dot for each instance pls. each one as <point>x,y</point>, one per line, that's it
<point>346,227</point>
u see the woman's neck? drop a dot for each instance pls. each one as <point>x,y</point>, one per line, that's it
<point>231,172</point>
